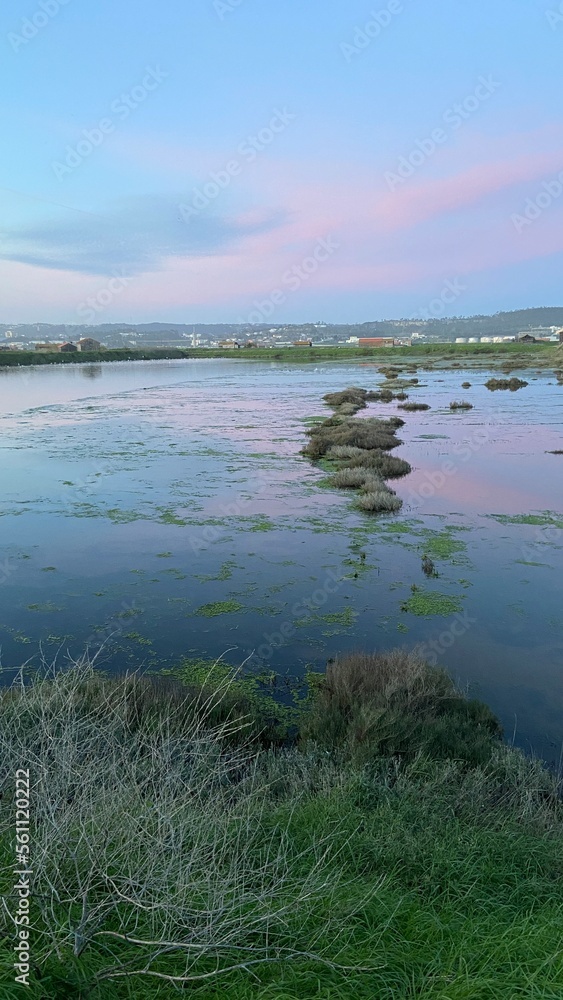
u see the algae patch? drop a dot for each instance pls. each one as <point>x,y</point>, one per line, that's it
<point>545,519</point>
<point>219,608</point>
<point>425,603</point>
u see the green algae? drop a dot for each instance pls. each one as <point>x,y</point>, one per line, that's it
<point>219,608</point>
<point>544,519</point>
<point>224,573</point>
<point>426,603</point>
<point>48,606</point>
<point>441,544</point>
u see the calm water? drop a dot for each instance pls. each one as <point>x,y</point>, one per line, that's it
<point>136,494</point>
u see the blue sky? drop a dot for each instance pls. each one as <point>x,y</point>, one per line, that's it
<point>421,140</point>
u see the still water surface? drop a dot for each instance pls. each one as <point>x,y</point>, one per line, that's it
<point>134,495</point>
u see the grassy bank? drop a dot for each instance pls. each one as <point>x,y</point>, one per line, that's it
<point>375,839</point>
<point>11,359</point>
<point>519,354</point>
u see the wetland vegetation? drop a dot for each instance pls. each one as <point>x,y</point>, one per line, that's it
<point>359,450</point>
<point>289,832</point>
<point>373,838</point>
<point>512,384</point>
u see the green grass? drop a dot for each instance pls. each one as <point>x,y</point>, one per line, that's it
<point>526,354</point>
<point>404,853</point>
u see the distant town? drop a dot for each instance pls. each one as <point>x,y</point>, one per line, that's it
<point>528,326</point>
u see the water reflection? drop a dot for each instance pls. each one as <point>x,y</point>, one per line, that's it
<point>165,488</point>
<point>91,371</point>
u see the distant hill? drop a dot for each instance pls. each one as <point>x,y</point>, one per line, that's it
<point>500,324</point>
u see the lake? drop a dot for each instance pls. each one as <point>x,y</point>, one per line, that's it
<point>154,510</point>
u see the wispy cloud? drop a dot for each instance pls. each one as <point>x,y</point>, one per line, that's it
<point>136,235</point>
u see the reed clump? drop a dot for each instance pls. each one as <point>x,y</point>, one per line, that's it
<point>369,433</point>
<point>388,466</point>
<point>412,407</point>
<point>511,384</point>
<point>378,501</point>
<point>359,448</point>
<point>461,405</point>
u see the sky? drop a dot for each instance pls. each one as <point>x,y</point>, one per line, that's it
<point>247,160</point>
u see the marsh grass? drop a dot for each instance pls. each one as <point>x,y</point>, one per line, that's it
<point>411,407</point>
<point>395,704</point>
<point>378,501</point>
<point>512,384</point>
<point>388,466</point>
<point>358,433</point>
<point>428,567</point>
<point>148,848</point>
<point>461,405</point>
<point>399,849</point>
<point>351,478</point>
<point>360,448</point>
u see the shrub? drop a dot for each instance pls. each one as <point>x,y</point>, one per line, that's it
<point>149,855</point>
<point>378,502</point>
<point>395,704</point>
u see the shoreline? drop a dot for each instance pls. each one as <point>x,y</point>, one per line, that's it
<point>517,355</point>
